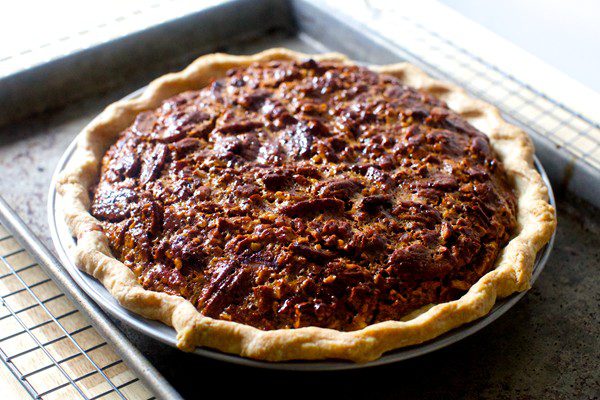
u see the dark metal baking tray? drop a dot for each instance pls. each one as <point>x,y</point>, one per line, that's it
<point>241,27</point>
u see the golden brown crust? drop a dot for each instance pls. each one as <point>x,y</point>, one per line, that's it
<point>536,223</point>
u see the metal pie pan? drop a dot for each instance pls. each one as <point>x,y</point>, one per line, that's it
<point>63,241</point>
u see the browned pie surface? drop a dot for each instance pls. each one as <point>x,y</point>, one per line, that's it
<point>305,194</point>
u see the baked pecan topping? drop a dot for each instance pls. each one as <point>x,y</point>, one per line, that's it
<point>292,194</point>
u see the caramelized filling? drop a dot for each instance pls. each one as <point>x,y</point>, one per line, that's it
<point>292,194</point>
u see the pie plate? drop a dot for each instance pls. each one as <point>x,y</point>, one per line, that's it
<point>63,241</point>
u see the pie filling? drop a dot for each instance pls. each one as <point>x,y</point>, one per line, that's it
<point>292,194</point>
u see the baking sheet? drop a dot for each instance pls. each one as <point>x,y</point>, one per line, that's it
<point>550,334</point>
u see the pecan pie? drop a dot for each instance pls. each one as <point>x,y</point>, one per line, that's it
<point>251,202</point>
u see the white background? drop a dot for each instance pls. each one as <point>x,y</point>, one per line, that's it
<point>565,34</point>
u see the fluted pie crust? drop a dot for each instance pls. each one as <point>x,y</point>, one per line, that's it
<point>536,222</point>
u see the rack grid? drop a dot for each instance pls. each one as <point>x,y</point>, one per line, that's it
<point>47,343</point>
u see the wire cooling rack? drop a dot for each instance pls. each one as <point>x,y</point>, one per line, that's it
<point>47,343</point>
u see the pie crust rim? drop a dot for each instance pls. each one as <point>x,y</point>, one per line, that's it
<point>536,222</point>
